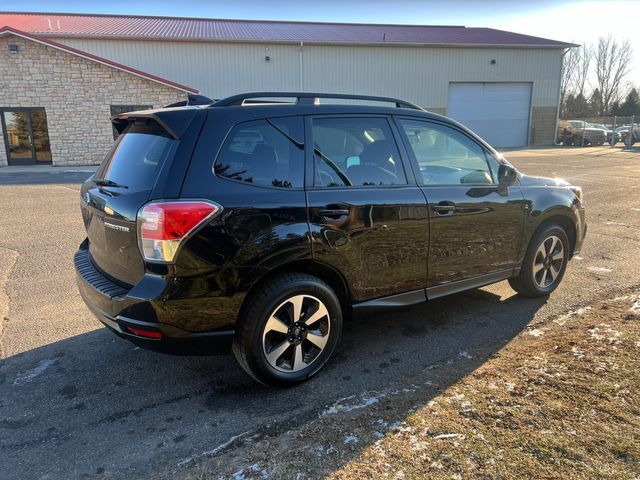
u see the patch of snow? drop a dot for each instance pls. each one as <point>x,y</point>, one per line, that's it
<point>339,405</point>
<point>562,319</point>
<point>253,471</point>
<point>635,308</point>
<point>446,436</point>
<point>636,209</point>
<point>536,332</point>
<point>626,297</point>
<point>579,354</point>
<point>417,444</point>
<point>599,269</point>
<point>349,439</point>
<point>403,390</point>
<point>606,333</point>
<point>388,426</point>
<point>578,257</point>
<point>378,434</point>
<point>28,375</point>
<point>213,451</point>
<point>464,354</point>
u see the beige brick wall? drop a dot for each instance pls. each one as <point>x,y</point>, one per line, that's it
<point>76,94</point>
<point>543,125</point>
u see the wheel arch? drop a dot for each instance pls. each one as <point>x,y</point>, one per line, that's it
<point>563,219</point>
<point>326,273</point>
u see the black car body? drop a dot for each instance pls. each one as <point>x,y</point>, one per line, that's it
<point>267,187</point>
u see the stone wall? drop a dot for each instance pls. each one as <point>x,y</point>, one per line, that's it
<point>543,125</point>
<point>76,94</point>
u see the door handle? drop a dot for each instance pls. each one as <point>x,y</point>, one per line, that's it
<point>444,208</point>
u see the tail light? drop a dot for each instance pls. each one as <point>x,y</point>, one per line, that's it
<point>163,226</point>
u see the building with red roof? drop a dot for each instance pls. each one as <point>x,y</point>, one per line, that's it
<point>503,85</point>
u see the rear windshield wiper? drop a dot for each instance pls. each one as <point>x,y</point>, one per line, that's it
<point>101,182</point>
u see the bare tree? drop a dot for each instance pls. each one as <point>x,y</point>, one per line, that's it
<point>613,64</point>
<point>570,63</point>
<point>582,69</point>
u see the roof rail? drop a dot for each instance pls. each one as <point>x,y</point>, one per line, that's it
<point>310,98</point>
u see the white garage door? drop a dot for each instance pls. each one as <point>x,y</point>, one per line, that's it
<point>498,112</point>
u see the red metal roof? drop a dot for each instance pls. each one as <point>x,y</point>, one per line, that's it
<point>178,28</point>
<point>7,30</point>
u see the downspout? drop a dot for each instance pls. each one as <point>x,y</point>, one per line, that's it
<point>555,130</point>
<point>301,68</point>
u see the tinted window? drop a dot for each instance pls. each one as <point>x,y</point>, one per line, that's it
<point>354,152</point>
<point>445,155</point>
<point>138,156</point>
<point>264,152</point>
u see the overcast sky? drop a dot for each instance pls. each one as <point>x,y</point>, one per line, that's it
<point>580,21</point>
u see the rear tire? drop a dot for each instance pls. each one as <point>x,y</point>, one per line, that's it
<point>288,329</point>
<point>544,263</point>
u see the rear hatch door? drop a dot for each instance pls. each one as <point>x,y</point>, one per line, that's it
<point>148,161</point>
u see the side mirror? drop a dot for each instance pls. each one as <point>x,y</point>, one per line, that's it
<point>507,175</point>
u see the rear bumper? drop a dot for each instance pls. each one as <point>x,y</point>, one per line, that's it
<point>125,310</point>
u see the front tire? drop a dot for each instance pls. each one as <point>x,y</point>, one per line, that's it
<point>544,263</point>
<point>288,329</point>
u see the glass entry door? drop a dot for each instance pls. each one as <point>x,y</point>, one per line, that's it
<point>26,135</point>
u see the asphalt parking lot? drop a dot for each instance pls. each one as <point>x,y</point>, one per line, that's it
<point>78,402</point>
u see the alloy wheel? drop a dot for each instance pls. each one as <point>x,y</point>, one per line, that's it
<point>548,261</point>
<point>296,333</point>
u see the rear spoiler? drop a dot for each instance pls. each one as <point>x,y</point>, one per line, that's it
<point>175,121</point>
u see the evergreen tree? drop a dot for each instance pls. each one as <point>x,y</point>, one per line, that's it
<point>631,104</point>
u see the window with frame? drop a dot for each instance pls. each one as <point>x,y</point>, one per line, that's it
<point>445,155</point>
<point>355,151</point>
<point>268,152</point>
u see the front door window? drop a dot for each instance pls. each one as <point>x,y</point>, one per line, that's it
<point>26,135</point>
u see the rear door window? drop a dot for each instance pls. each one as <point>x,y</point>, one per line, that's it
<point>267,152</point>
<point>138,156</point>
<point>355,151</point>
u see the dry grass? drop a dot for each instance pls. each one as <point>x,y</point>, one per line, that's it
<point>563,404</point>
<point>560,401</point>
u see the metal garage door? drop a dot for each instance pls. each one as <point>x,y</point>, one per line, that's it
<point>498,112</point>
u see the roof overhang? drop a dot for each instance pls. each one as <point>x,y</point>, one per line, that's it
<point>5,31</point>
<point>387,43</point>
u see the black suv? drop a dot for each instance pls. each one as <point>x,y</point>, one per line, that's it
<point>260,224</point>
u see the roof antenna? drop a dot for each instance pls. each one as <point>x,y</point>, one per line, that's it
<point>384,36</point>
<point>49,22</point>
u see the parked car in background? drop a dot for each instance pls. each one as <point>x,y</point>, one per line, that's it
<point>623,131</point>
<point>612,137</point>
<point>258,228</point>
<point>586,134</point>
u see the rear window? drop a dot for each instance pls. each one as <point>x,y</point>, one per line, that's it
<point>138,156</point>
